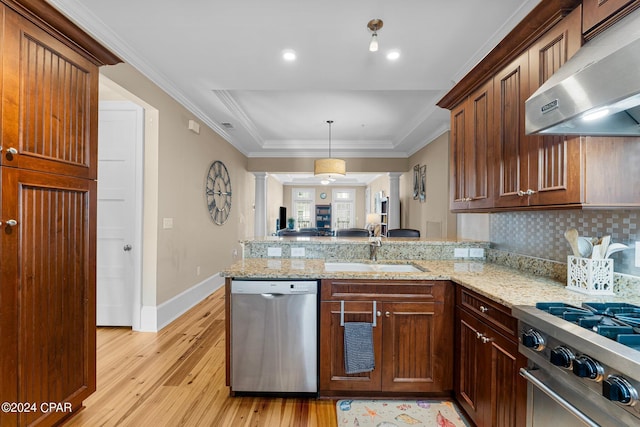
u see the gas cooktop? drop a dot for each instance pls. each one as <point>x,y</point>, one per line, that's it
<point>617,321</point>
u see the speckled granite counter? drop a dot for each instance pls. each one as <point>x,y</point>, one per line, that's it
<point>504,285</point>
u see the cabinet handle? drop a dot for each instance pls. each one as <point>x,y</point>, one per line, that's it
<point>387,314</point>
<point>378,314</point>
<point>479,335</point>
<point>12,223</point>
<point>530,192</point>
<point>12,150</point>
<point>521,193</point>
<point>483,309</point>
<point>485,339</point>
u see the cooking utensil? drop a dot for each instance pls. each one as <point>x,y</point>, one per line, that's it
<point>572,237</point>
<point>597,252</point>
<point>604,245</point>
<point>615,247</point>
<point>585,247</point>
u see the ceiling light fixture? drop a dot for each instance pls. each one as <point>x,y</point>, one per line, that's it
<point>330,166</point>
<point>393,55</point>
<point>374,25</point>
<point>289,55</point>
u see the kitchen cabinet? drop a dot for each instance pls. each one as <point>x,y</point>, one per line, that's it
<point>471,151</point>
<point>511,90</point>
<point>49,107</point>
<point>487,383</point>
<point>598,15</point>
<point>412,339</point>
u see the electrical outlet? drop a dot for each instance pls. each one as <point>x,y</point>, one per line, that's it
<point>476,252</point>
<point>197,270</point>
<point>637,254</point>
<point>461,252</point>
<point>274,251</point>
<point>298,252</point>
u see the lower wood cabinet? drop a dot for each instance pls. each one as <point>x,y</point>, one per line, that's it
<point>487,384</point>
<point>412,339</point>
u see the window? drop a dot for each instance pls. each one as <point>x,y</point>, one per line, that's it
<point>303,205</point>
<point>344,211</point>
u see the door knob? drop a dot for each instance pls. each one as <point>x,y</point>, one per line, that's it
<point>387,314</point>
<point>127,248</point>
<point>12,223</point>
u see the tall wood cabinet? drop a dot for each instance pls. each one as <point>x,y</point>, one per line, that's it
<point>412,339</point>
<point>49,72</point>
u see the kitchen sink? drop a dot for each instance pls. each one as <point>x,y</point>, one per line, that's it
<point>366,267</point>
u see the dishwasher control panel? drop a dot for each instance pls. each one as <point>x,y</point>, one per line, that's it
<point>287,287</point>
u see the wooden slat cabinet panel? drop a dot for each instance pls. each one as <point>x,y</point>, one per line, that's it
<point>49,103</point>
<point>555,162</point>
<point>511,90</point>
<point>332,371</point>
<point>48,290</point>
<point>472,150</point>
<point>417,345</point>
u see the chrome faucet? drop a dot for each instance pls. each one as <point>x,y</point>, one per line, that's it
<point>373,248</point>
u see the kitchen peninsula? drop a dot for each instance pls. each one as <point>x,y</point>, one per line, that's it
<point>460,306</point>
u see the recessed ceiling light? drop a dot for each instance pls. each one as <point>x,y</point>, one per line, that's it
<point>393,55</point>
<point>289,55</point>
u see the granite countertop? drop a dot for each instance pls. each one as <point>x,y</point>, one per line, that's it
<point>502,284</point>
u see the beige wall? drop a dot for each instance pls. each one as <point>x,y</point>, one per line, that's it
<point>301,164</point>
<point>432,217</point>
<point>183,161</point>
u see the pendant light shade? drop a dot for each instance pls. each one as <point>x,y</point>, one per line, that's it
<point>374,25</point>
<point>329,166</point>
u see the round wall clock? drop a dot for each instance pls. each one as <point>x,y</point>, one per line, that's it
<point>218,192</point>
<point>323,195</point>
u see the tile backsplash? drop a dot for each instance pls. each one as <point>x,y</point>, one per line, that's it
<point>541,233</point>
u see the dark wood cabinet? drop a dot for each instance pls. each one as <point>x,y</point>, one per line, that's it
<point>49,112</point>
<point>511,90</point>
<point>487,383</point>
<point>471,151</point>
<point>412,339</point>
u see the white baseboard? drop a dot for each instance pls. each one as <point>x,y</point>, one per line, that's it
<point>153,319</point>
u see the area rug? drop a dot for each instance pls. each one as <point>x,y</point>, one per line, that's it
<point>399,413</point>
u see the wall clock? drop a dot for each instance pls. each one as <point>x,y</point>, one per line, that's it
<point>218,192</point>
<point>323,195</point>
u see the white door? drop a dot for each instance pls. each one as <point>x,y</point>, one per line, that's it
<point>120,133</point>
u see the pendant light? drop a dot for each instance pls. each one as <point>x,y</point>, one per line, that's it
<point>329,166</point>
<point>374,25</point>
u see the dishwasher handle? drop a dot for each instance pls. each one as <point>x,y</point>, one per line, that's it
<point>272,295</point>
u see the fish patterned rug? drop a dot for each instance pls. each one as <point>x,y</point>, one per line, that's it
<point>399,413</point>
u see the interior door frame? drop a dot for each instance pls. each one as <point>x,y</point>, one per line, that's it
<point>138,200</point>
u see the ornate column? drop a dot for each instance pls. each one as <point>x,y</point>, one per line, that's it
<point>394,200</point>
<point>260,212</point>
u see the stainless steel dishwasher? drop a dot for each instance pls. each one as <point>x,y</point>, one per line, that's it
<point>274,336</point>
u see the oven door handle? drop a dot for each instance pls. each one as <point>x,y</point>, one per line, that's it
<point>557,398</point>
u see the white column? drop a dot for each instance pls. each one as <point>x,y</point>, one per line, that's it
<point>260,212</point>
<point>394,200</point>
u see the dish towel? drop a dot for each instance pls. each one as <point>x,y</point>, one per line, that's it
<point>358,347</point>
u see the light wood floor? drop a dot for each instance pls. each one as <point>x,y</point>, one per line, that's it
<point>177,378</point>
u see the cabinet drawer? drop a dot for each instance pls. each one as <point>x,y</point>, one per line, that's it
<point>358,290</point>
<point>496,314</point>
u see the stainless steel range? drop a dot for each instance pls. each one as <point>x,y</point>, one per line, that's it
<point>584,363</point>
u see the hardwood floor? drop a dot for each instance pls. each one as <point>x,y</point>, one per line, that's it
<point>177,378</point>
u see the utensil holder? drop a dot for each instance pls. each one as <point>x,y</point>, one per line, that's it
<point>590,276</point>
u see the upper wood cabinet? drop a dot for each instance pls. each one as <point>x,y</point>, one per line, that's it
<point>49,103</point>
<point>598,15</point>
<point>472,150</point>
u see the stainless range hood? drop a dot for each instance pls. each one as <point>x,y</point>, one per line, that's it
<point>602,78</point>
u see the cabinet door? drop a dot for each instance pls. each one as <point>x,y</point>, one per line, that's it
<point>511,89</point>
<point>555,165</point>
<point>49,103</point>
<point>332,371</point>
<point>471,151</point>
<point>471,374</point>
<point>416,347</point>
<point>48,289</point>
